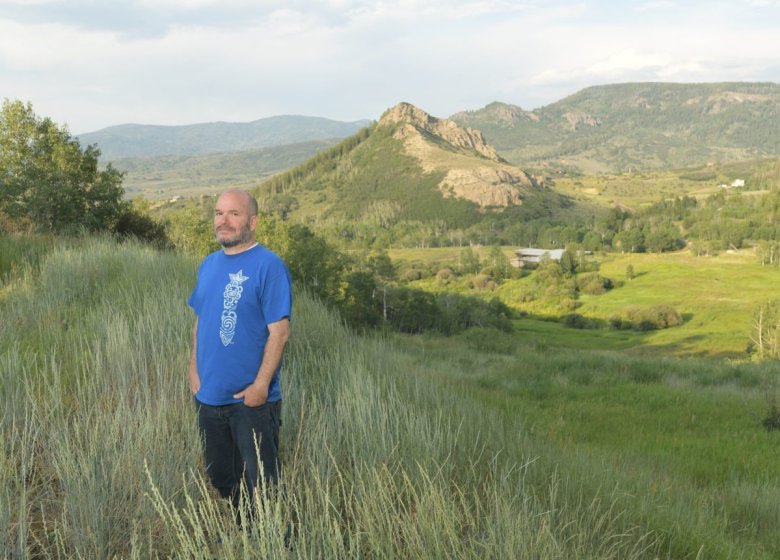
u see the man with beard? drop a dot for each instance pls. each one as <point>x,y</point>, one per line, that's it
<point>243,302</point>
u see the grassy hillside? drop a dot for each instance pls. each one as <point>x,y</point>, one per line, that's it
<point>370,180</point>
<point>168,176</point>
<point>479,446</point>
<point>642,126</point>
<point>138,140</point>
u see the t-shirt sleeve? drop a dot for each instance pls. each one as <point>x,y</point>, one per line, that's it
<point>277,293</point>
<point>192,301</point>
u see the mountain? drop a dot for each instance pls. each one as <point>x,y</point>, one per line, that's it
<point>408,166</point>
<point>138,140</point>
<point>167,176</point>
<point>642,126</point>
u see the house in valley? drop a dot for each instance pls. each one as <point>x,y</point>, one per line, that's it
<point>532,257</point>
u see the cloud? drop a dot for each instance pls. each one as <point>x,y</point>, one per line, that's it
<point>177,61</point>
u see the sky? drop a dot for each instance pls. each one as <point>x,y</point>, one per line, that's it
<point>89,64</point>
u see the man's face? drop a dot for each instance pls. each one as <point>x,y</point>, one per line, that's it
<point>232,223</point>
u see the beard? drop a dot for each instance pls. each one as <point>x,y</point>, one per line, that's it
<point>238,237</point>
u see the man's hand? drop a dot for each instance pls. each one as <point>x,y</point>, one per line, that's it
<point>254,395</point>
<point>194,381</point>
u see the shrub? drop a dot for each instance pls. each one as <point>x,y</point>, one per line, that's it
<point>484,282</point>
<point>444,276</point>
<point>577,321</point>
<point>594,284</point>
<point>655,317</point>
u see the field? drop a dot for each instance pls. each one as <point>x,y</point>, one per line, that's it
<point>484,445</point>
<point>716,296</point>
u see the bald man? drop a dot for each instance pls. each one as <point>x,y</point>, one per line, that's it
<point>243,303</point>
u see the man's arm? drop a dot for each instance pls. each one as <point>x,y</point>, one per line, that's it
<point>257,393</point>
<point>192,372</point>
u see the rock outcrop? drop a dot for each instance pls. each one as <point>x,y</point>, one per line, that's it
<point>447,130</point>
<point>473,169</point>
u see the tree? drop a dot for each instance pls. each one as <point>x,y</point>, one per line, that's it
<point>568,263</point>
<point>468,261</point>
<point>48,179</point>
<point>498,264</point>
<point>765,335</point>
<point>312,261</point>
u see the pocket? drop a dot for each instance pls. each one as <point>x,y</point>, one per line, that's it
<point>263,406</point>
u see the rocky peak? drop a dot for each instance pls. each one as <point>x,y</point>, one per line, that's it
<point>472,169</point>
<point>460,137</point>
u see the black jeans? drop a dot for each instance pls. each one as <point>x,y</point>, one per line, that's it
<point>234,437</point>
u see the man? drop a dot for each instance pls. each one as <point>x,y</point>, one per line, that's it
<point>243,303</point>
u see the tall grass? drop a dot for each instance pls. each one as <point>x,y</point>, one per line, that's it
<point>382,458</point>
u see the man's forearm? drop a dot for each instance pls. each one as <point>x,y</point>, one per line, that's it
<point>257,393</point>
<point>272,357</point>
<point>192,370</point>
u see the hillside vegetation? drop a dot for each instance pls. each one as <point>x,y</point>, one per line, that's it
<point>477,446</point>
<point>402,179</point>
<point>639,126</point>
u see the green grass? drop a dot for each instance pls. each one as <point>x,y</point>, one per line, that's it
<point>485,445</point>
<point>100,454</point>
<point>716,296</point>
<point>682,439</point>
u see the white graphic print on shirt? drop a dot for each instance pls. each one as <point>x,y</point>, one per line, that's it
<point>229,317</point>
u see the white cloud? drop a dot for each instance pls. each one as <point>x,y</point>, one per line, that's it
<point>178,61</point>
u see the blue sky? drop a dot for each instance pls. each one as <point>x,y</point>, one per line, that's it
<point>96,63</point>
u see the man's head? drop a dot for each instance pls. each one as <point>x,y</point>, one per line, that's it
<point>235,219</point>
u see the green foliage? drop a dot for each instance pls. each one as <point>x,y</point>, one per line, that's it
<point>358,301</point>
<point>468,261</point>
<point>594,284</point>
<point>577,321</point>
<point>312,262</point>
<point>497,265</point>
<point>191,231</point>
<point>136,221</point>
<point>653,317</point>
<point>667,239</point>
<point>413,311</point>
<point>49,180</point>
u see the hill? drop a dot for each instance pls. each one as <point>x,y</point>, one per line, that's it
<point>167,176</point>
<point>138,140</point>
<point>632,126</point>
<point>410,166</point>
<point>483,442</point>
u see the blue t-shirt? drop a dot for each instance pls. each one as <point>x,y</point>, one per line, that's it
<point>235,298</point>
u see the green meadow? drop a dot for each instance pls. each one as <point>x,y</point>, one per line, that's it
<point>716,296</point>
<point>482,445</point>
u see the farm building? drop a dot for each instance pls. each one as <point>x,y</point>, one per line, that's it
<point>534,256</point>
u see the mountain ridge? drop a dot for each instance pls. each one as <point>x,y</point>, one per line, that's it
<point>650,125</point>
<point>142,140</point>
